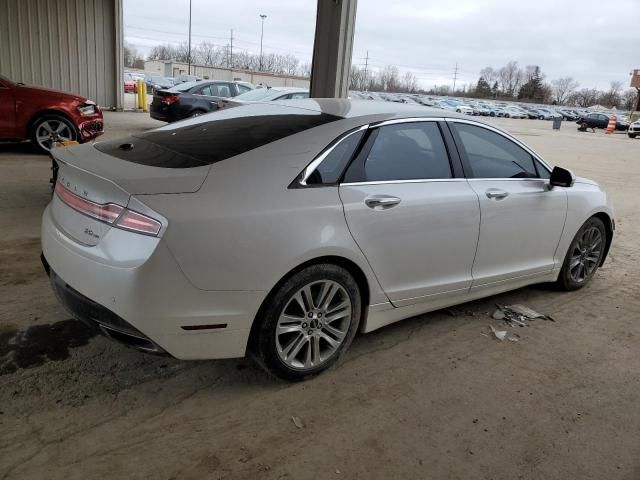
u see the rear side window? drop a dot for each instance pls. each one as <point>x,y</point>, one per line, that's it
<point>331,168</point>
<point>407,151</point>
<point>214,137</point>
<point>491,155</point>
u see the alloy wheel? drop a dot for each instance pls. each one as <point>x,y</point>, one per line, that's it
<point>313,325</point>
<point>51,131</point>
<point>586,254</point>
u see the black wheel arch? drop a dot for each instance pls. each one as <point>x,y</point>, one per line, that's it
<point>609,227</point>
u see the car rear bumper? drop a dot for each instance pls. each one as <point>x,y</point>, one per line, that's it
<point>131,288</point>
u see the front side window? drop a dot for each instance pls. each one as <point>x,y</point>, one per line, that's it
<point>491,155</point>
<point>242,88</point>
<point>407,151</point>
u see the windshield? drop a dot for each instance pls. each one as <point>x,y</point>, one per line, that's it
<point>257,94</point>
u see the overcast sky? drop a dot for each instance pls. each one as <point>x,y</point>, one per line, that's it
<point>594,41</point>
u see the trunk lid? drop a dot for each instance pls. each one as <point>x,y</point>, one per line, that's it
<point>103,179</point>
<point>100,166</point>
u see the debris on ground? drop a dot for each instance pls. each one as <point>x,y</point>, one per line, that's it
<point>297,422</point>
<point>518,315</point>
<point>500,334</point>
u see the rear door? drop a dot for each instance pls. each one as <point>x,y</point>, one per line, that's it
<point>413,216</point>
<point>522,218</point>
<point>7,111</point>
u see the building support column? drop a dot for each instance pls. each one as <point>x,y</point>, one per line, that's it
<point>332,48</point>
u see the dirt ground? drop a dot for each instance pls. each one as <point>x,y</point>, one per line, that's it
<point>429,397</point>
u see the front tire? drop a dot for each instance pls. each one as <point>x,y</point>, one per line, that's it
<point>308,323</point>
<point>584,255</point>
<point>49,129</point>
<point>632,135</point>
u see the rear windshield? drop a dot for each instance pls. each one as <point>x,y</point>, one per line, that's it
<point>214,137</point>
<point>183,87</point>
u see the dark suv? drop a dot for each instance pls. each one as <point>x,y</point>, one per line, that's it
<point>191,99</point>
<point>600,120</point>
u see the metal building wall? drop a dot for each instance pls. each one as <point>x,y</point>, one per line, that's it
<point>71,45</point>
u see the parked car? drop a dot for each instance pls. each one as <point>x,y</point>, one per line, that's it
<point>281,228</point>
<point>601,120</point>
<point>130,84</point>
<point>184,78</point>
<point>157,82</point>
<point>268,95</point>
<point>514,112</point>
<point>569,115</point>
<point>463,108</point>
<point>193,98</point>
<point>46,116</point>
<point>546,114</point>
<point>634,129</point>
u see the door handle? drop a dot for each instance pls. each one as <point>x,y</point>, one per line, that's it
<point>381,202</point>
<point>496,194</point>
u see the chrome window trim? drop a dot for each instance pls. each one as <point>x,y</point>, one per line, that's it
<point>396,121</point>
<point>306,173</point>
<point>413,180</point>
<point>508,137</point>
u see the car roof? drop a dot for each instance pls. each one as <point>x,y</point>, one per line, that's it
<point>348,108</point>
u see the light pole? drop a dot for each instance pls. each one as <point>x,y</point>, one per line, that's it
<point>262,16</point>
<point>189,53</point>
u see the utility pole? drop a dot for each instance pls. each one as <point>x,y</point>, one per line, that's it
<point>455,78</point>
<point>262,16</point>
<point>230,64</point>
<point>189,53</point>
<point>366,64</point>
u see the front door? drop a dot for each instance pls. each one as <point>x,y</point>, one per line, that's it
<point>7,112</point>
<point>522,218</point>
<point>415,223</point>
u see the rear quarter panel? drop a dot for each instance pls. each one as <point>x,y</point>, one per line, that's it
<point>245,229</point>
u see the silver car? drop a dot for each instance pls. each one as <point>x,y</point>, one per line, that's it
<point>285,228</point>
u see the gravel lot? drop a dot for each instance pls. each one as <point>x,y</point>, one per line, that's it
<point>430,397</point>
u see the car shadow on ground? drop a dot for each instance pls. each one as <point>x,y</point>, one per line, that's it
<point>20,148</point>
<point>53,342</point>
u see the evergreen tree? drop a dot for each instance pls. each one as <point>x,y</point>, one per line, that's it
<point>483,89</point>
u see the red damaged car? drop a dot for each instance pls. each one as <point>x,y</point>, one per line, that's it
<point>46,116</point>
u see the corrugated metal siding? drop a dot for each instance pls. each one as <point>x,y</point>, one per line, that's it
<point>71,45</point>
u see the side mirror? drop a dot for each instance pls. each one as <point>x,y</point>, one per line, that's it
<point>561,177</point>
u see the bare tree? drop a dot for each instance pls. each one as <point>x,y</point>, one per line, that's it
<point>489,74</point>
<point>562,88</point>
<point>132,57</point>
<point>629,98</point>
<point>510,77</point>
<point>409,82</point>
<point>161,52</point>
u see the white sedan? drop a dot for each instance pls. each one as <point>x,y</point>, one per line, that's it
<point>283,229</point>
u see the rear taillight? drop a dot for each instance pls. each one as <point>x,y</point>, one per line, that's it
<point>110,213</point>
<point>136,222</point>
<point>169,99</point>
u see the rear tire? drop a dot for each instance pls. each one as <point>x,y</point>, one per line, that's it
<point>50,128</point>
<point>584,255</point>
<point>308,322</point>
